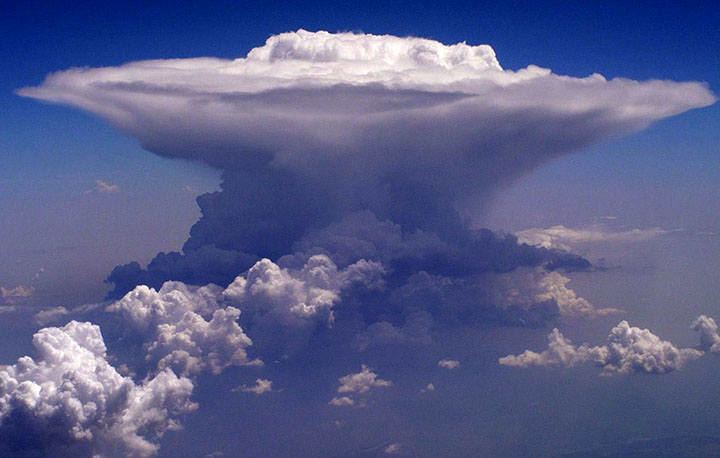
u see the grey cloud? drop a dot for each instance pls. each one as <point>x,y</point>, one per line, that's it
<point>709,337</point>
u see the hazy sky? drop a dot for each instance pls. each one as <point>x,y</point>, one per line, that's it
<point>364,164</point>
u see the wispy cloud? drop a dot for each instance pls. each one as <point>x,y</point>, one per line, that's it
<point>566,238</point>
<point>261,386</point>
<point>106,187</point>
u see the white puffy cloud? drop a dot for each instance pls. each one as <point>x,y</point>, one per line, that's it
<point>359,383</point>
<point>708,329</point>
<point>69,395</point>
<point>261,386</point>
<point>186,328</point>
<point>628,350</point>
<point>449,363</point>
<point>294,296</point>
<point>566,238</point>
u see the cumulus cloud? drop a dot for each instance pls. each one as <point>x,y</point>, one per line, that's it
<point>358,383</point>
<point>629,350</point>
<point>186,328</point>
<point>69,399</point>
<point>565,238</point>
<point>300,294</point>
<point>261,386</point>
<point>449,363</point>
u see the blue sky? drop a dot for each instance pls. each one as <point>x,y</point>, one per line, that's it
<point>62,236</point>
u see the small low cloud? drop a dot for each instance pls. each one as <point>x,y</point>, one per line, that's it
<point>449,363</point>
<point>393,449</point>
<point>428,387</point>
<point>260,387</point>
<point>359,383</point>
<point>342,401</point>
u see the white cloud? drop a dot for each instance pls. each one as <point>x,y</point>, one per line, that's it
<point>449,363</point>
<point>628,350</point>
<point>105,187</point>
<point>261,386</point>
<point>70,394</point>
<point>359,383</point>
<point>565,238</point>
<point>186,327</point>
<point>294,296</point>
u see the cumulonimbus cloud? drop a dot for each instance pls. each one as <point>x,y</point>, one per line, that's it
<point>313,126</point>
<point>347,161</point>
